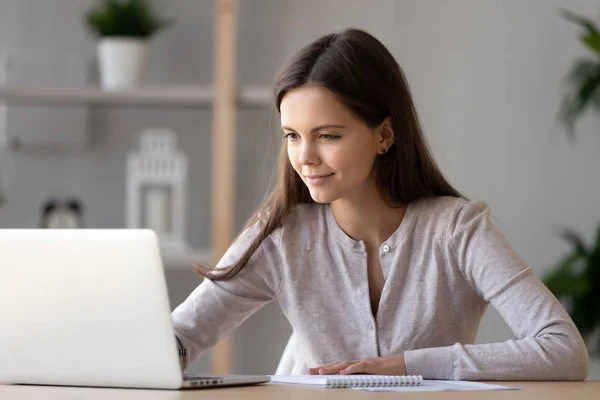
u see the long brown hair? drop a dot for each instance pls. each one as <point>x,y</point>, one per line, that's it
<point>362,73</point>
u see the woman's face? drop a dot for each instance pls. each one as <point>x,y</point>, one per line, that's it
<point>331,149</point>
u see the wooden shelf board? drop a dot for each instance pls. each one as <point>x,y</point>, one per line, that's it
<point>145,96</point>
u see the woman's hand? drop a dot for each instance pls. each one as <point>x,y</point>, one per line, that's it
<point>391,365</point>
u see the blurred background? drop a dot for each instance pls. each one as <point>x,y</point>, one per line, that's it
<point>488,79</point>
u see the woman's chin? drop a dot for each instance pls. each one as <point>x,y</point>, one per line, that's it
<point>321,196</point>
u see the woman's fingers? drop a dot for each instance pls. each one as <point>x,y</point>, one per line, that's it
<point>361,367</point>
<point>336,368</point>
<point>329,369</point>
<point>390,365</point>
<point>315,370</point>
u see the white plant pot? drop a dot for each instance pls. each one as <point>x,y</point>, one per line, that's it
<point>121,62</point>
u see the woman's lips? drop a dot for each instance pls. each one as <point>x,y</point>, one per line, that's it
<point>317,180</point>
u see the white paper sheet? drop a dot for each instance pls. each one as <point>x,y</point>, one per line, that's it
<point>438,386</point>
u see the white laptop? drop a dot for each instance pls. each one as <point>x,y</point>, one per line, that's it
<point>88,307</point>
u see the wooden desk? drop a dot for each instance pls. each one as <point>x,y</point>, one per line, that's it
<point>529,390</point>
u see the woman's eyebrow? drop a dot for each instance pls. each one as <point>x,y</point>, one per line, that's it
<point>318,128</point>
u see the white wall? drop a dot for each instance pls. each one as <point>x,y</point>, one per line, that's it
<point>486,78</point>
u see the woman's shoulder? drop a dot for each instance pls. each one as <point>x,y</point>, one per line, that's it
<point>446,210</point>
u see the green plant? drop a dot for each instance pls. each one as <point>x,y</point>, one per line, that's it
<point>575,280</point>
<point>124,18</point>
<point>584,77</point>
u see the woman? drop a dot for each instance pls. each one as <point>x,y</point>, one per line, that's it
<point>380,265</point>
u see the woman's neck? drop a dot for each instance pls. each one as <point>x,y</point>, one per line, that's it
<point>368,217</point>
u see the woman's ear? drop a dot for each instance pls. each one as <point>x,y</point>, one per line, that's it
<point>386,136</point>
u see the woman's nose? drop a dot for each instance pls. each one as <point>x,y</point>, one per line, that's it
<point>308,154</point>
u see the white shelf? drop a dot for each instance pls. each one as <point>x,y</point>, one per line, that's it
<point>144,96</point>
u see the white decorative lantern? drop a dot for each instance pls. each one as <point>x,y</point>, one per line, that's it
<point>156,187</point>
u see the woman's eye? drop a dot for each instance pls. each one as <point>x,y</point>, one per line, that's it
<point>291,136</point>
<point>330,137</point>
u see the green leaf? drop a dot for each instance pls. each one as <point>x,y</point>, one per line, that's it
<point>576,241</point>
<point>590,35</point>
<point>585,94</point>
<point>584,81</point>
<point>582,71</point>
<point>585,312</point>
<point>593,267</point>
<point>567,285</point>
<point>596,100</point>
<point>597,243</point>
<point>568,116</point>
<point>592,42</point>
<point>564,279</point>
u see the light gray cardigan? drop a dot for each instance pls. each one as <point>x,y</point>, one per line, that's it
<point>442,266</point>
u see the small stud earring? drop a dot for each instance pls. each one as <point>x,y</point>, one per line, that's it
<point>383,151</point>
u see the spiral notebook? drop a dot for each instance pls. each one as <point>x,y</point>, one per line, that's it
<point>350,381</point>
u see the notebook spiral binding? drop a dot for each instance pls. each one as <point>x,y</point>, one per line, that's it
<point>373,381</point>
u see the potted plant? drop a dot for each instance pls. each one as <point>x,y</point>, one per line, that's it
<point>124,28</point>
<point>583,80</point>
<point>575,280</point>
